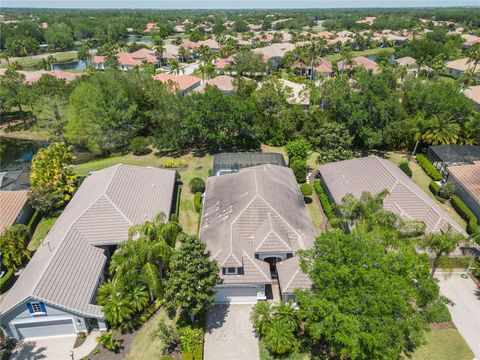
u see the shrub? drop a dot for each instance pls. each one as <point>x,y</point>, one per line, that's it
<point>327,208</point>
<point>447,190</point>
<point>437,312</point>
<point>405,166</point>
<point>44,200</point>
<point>167,335</point>
<point>34,220</point>
<point>174,163</point>
<point>190,338</point>
<point>298,149</point>
<point>299,168</point>
<point>428,167</point>
<point>7,280</point>
<point>434,187</point>
<point>197,202</point>
<point>197,185</point>
<point>306,189</point>
<point>464,211</point>
<point>108,341</point>
<point>140,146</point>
<point>166,357</point>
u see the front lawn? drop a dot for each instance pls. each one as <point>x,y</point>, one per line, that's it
<point>337,56</point>
<point>443,344</point>
<point>41,231</point>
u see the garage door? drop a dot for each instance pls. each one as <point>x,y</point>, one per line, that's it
<point>47,328</point>
<point>236,295</point>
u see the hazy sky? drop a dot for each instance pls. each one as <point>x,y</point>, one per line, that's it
<point>226,4</point>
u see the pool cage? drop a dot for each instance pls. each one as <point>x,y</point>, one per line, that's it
<point>226,163</point>
<point>442,156</point>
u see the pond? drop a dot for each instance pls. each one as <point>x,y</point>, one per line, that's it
<point>132,39</point>
<point>71,65</point>
<point>391,58</point>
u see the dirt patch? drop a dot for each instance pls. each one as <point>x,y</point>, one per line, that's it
<point>443,325</point>
<point>104,354</point>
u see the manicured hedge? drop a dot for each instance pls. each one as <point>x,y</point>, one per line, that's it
<point>464,211</point>
<point>34,220</point>
<point>197,185</point>
<point>405,166</point>
<point>327,208</point>
<point>7,280</point>
<point>197,202</point>
<point>434,187</point>
<point>428,167</point>
<point>306,189</point>
<point>299,168</point>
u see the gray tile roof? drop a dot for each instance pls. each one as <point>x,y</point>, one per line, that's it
<point>66,268</point>
<point>291,277</point>
<point>258,209</point>
<point>374,174</point>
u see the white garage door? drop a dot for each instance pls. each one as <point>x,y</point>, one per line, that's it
<point>47,328</point>
<point>236,295</point>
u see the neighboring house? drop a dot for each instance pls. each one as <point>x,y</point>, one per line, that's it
<point>223,82</point>
<point>473,93</point>
<point>360,61</point>
<point>369,20</point>
<point>222,64</point>
<point>212,44</point>
<point>182,83</point>
<point>226,163</point>
<point>326,34</point>
<point>274,53</point>
<point>442,156</point>
<point>406,61</point>
<point>252,221</point>
<point>180,29</point>
<point>323,67</point>
<point>299,93</point>
<point>470,40</point>
<point>170,51</point>
<point>15,209</point>
<point>345,33</point>
<point>466,179</point>
<point>32,77</point>
<point>374,174</point>
<point>150,27</point>
<point>128,61</point>
<point>458,67</point>
<point>56,292</point>
<point>14,180</point>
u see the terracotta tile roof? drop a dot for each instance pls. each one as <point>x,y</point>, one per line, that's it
<point>473,93</point>
<point>469,177</point>
<point>183,82</point>
<point>98,59</point>
<point>11,202</point>
<point>406,61</point>
<point>212,44</point>
<point>462,65</point>
<point>32,77</point>
<point>274,50</point>
<point>223,82</point>
<point>364,62</point>
<point>187,44</point>
<point>325,34</point>
<point>220,63</point>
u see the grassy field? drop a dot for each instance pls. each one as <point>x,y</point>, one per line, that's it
<point>336,57</point>
<point>41,231</point>
<point>422,180</point>
<point>444,344</point>
<point>29,61</point>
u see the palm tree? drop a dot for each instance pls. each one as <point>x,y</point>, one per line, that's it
<point>315,49</point>
<point>174,66</point>
<point>13,248</point>
<point>51,60</point>
<point>441,244</point>
<point>261,317</point>
<point>139,297</point>
<point>115,302</point>
<point>473,55</point>
<point>417,127</point>
<point>184,53</point>
<point>347,59</point>
<point>159,50</point>
<point>150,276</point>
<point>279,338</point>
<point>287,314</point>
<point>442,130</point>
<point>205,54</point>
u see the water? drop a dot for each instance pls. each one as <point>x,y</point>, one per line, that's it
<point>16,154</point>
<point>391,59</point>
<point>132,39</point>
<point>72,65</point>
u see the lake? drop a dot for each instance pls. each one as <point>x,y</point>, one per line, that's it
<point>391,58</point>
<point>71,65</point>
<point>132,39</point>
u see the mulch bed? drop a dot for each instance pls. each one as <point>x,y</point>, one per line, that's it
<point>443,325</point>
<point>79,341</point>
<point>475,280</point>
<point>105,354</point>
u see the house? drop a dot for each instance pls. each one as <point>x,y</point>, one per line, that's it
<point>252,221</point>
<point>226,163</point>
<point>374,174</point>
<point>406,61</point>
<point>369,20</point>
<point>326,34</point>
<point>323,67</point>
<point>223,82</point>
<point>473,93</point>
<point>55,294</point>
<point>179,29</point>
<point>466,179</point>
<point>222,64</point>
<point>360,61</point>
<point>255,27</point>
<point>13,180</point>
<point>443,156</point>
<point>15,209</point>
<point>182,83</point>
<point>458,67</point>
<point>345,33</point>
<point>128,61</point>
<point>470,40</point>
<point>274,53</point>
<point>299,94</point>
<point>170,51</point>
<point>150,27</point>
<point>212,44</point>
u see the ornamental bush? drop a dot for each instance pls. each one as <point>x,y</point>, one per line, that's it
<point>464,211</point>
<point>108,341</point>
<point>327,208</point>
<point>173,163</point>
<point>306,189</point>
<point>197,185</point>
<point>197,202</point>
<point>405,166</point>
<point>140,146</point>
<point>428,167</point>
<point>434,187</point>
<point>299,168</point>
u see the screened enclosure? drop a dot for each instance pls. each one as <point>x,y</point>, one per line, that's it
<point>225,163</point>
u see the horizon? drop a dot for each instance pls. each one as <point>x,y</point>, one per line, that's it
<point>223,5</point>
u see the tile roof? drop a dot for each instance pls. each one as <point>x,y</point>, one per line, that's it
<point>66,268</point>
<point>473,93</point>
<point>373,174</point>
<point>274,50</point>
<point>11,203</point>
<point>224,82</point>
<point>212,44</point>
<point>462,65</point>
<point>300,94</point>
<point>32,77</point>
<point>257,209</point>
<point>291,276</point>
<point>183,82</point>
<point>406,61</point>
<point>469,177</point>
<point>364,62</point>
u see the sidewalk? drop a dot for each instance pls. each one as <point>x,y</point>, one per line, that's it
<point>87,347</point>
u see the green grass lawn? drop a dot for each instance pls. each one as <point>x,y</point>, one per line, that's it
<point>336,57</point>
<point>422,180</point>
<point>29,61</point>
<point>443,344</point>
<point>41,231</point>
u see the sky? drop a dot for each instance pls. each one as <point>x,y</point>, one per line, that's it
<point>229,4</point>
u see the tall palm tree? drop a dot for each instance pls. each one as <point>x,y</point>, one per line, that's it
<point>159,50</point>
<point>261,317</point>
<point>139,297</point>
<point>473,55</point>
<point>13,248</point>
<point>442,130</point>
<point>315,49</point>
<point>174,66</point>
<point>347,59</point>
<point>417,126</point>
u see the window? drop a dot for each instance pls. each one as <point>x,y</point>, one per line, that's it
<point>36,308</point>
<point>231,271</point>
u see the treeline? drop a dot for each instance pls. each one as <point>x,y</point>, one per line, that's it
<point>105,111</point>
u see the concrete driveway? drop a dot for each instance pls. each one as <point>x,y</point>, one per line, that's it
<point>54,348</point>
<point>465,309</point>
<point>230,334</point>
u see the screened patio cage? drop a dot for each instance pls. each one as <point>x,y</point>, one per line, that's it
<point>442,156</point>
<point>226,163</point>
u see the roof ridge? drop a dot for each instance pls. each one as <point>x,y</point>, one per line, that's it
<point>118,209</point>
<point>256,265</point>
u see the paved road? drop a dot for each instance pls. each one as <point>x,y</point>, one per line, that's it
<point>190,68</point>
<point>229,334</point>
<point>465,309</point>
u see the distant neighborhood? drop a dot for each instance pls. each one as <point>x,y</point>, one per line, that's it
<point>240,185</point>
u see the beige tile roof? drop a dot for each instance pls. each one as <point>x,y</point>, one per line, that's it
<point>11,202</point>
<point>291,276</point>
<point>469,177</point>
<point>183,82</point>
<point>406,61</point>
<point>223,82</point>
<point>274,50</point>
<point>373,174</point>
<point>462,65</point>
<point>473,93</point>
<point>258,209</point>
<point>300,93</point>
<point>364,62</point>
<point>66,268</point>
